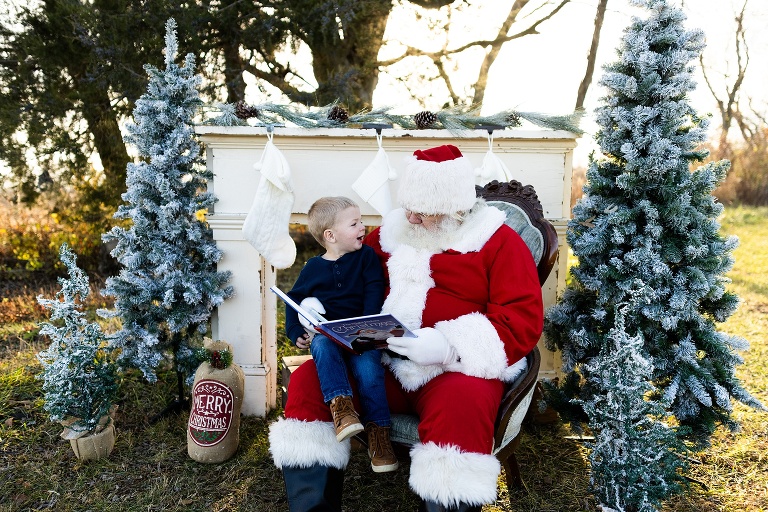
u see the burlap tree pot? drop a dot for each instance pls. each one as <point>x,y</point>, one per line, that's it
<point>92,445</point>
<point>95,446</point>
<point>213,430</point>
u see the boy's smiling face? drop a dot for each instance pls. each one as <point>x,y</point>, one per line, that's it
<point>347,233</point>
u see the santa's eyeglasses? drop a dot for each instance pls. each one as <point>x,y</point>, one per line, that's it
<point>421,216</point>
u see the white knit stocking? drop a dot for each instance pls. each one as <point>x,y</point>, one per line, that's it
<point>266,225</point>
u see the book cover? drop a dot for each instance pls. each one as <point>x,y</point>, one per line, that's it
<point>357,334</point>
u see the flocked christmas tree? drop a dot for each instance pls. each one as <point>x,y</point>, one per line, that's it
<point>635,456</point>
<point>168,284</point>
<point>80,377</point>
<point>647,238</point>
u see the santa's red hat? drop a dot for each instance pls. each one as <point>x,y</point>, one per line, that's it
<point>438,180</point>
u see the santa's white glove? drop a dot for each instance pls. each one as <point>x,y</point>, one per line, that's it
<point>430,347</point>
<point>313,306</point>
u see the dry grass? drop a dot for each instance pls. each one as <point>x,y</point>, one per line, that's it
<point>150,470</point>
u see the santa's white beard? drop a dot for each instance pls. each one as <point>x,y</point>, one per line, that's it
<point>434,239</point>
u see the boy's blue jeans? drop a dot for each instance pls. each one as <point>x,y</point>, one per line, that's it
<point>332,363</point>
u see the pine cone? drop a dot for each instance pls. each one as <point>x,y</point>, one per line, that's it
<point>245,111</point>
<point>424,119</point>
<point>513,119</point>
<point>338,114</point>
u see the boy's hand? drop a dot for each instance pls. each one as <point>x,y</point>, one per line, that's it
<point>303,341</point>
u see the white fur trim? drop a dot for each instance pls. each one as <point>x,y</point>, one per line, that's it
<point>437,187</point>
<point>409,282</point>
<point>301,444</point>
<point>480,349</point>
<point>449,476</point>
<point>511,373</point>
<point>409,374</point>
<point>477,228</point>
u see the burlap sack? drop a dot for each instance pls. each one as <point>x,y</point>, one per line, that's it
<point>213,430</point>
<point>95,446</point>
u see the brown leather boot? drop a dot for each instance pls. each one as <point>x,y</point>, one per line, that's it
<point>345,419</point>
<point>380,450</point>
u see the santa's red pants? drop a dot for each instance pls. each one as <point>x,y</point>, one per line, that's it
<point>454,409</point>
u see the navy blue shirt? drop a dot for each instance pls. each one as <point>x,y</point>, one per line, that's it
<point>353,285</point>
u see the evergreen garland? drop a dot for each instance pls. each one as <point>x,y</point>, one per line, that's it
<point>218,359</point>
<point>168,284</point>
<point>648,242</point>
<point>454,119</point>
<point>80,378</point>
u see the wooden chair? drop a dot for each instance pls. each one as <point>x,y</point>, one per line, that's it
<point>524,215</point>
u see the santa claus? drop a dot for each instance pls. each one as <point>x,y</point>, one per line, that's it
<point>467,285</point>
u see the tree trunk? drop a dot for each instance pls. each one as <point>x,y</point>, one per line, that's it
<point>592,56</point>
<point>233,72</point>
<point>346,69</point>
<point>482,76</point>
<point>108,140</point>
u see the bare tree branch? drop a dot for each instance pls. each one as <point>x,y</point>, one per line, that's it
<point>482,76</point>
<point>592,56</point>
<point>498,41</point>
<point>438,62</point>
<point>277,78</point>
<point>729,106</point>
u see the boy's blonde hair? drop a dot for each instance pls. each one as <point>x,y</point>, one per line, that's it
<point>322,214</point>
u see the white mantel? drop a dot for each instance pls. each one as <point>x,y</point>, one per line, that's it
<point>326,162</point>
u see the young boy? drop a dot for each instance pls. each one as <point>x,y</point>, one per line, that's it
<point>346,281</point>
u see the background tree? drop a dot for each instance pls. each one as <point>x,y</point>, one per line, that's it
<point>646,234</point>
<point>523,19</point>
<point>168,284</point>
<point>747,182</point>
<point>69,74</point>
<point>728,103</point>
<point>70,71</point>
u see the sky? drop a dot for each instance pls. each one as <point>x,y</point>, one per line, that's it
<point>542,72</point>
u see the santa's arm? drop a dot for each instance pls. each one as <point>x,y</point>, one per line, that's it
<point>487,343</point>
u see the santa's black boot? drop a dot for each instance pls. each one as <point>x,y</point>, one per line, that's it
<point>314,489</point>
<point>431,506</point>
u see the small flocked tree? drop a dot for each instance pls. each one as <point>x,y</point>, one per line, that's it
<point>647,237</point>
<point>168,284</point>
<point>80,377</point>
<point>635,456</point>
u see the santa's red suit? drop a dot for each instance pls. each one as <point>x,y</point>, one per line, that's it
<point>477,286</point>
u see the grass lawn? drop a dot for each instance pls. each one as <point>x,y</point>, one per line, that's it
<point>150,470</point>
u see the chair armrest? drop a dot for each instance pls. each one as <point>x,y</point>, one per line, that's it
<point>516,402</point>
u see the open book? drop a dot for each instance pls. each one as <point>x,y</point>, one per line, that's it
<point>356,334</point>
